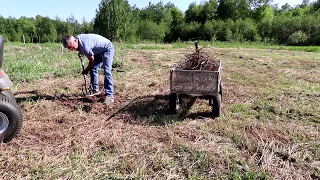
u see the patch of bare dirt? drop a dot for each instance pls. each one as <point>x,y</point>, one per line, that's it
<point>138,58</point>
<point>92,105</point>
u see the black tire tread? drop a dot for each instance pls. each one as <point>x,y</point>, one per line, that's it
<point>11,105</point>
<point>216,106</point>
<point>8,93</point>
<point>172,103</point>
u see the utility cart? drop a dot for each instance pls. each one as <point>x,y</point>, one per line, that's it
<point>197,82</point>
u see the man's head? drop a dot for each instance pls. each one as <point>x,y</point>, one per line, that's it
<point>70,42</point>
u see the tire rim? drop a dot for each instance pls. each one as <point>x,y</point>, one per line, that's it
<point>4,122</point>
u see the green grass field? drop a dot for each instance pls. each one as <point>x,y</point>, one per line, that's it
<point>269,127</point>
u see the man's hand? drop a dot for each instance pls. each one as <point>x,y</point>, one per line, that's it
<point>86,71</point>
<point>91,62</point>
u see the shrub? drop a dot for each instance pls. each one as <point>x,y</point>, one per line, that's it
<point>149,30</point>
<point>297,38</point>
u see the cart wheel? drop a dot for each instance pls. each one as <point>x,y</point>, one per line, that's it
<point>174,103</point>
<point>220,92</point>
<point>215,102</point>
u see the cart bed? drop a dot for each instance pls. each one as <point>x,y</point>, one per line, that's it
<point>199,82</point>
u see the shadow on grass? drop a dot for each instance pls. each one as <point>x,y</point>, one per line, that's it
<point>154,110</point>
<point>34,96</point>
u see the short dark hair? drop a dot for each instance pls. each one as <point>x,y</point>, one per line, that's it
<point>66,40</point>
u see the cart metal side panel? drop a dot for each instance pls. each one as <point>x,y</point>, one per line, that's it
<point>199,82</point>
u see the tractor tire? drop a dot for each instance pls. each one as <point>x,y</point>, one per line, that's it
<point>11,119</point>
<point>8,94</point>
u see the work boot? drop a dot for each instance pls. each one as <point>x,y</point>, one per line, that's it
<point>108,100</point>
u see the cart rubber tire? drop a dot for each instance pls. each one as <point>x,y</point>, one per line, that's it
<point>220,92</point>
<point>10,119</point>
<point>174,103</point>
<point>216,105</point>
<point>8,94</point>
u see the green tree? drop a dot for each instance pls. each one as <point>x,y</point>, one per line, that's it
<point>190,30</point>
<point>2,25</point>
<point>13,30</point>
<point>160,14</point>
<point>193,13</point>
<point>233,9</point>
<point>297,38</point>
<point>245,30</point>
<point>149,30</point>
<point>177,19</point>
<point>209,11</point>
<point>113,19</point>
<point>46,30</point>
<point>315,5</point>
<point>86,27</point>
<point>157,13</point>
<point>28,27</point>
<point>63,28</point>
<point>74,26</point>
<point>263,12</point>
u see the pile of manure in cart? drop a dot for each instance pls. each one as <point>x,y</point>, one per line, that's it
<point>198,60</point>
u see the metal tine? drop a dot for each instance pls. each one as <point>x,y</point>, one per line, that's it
<point>84,76</point>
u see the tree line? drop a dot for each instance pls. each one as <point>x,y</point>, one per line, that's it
<point>212,20</point>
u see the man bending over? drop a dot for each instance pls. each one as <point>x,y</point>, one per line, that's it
<point>99,51</point>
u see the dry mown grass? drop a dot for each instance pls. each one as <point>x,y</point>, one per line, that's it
<point>269,126</point>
